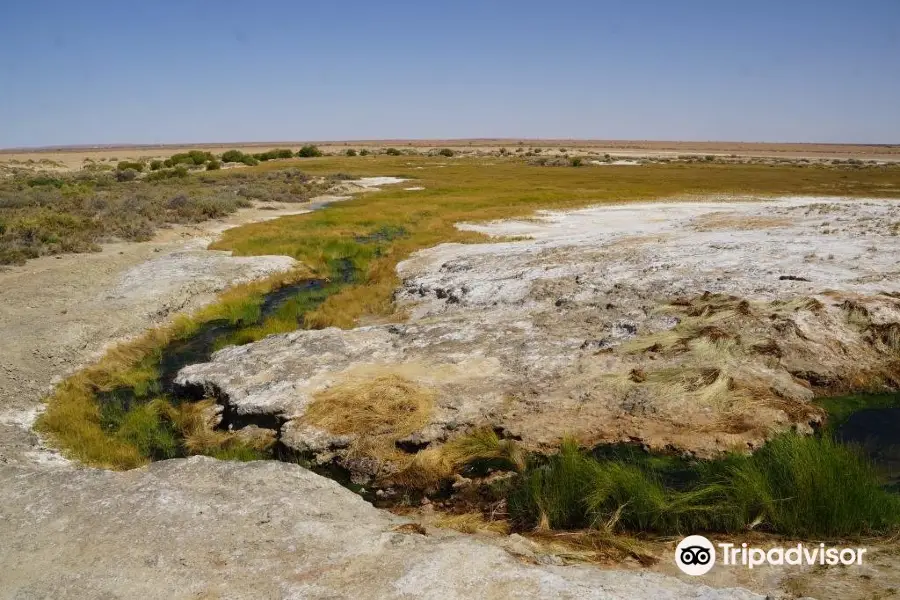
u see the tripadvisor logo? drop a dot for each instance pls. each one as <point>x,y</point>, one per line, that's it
<point>696,555</point>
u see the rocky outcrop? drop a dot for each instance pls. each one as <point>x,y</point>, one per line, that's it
<point>200,528</point>
<point>673,325</point>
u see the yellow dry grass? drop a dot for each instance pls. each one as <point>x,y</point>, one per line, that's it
<point>431,466</point>
<point>597,545</point>
<point>719,220</point>
<point>473,522</point>
<point>376,411</point>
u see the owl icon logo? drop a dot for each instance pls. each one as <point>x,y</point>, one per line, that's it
<point>695,555</point>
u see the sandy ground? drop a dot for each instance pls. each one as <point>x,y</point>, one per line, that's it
<point>74,157</point>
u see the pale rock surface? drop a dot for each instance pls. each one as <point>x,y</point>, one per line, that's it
<point>200,528</point>
<point>530,336</point>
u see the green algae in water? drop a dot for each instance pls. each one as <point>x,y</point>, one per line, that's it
<point>840,408</point>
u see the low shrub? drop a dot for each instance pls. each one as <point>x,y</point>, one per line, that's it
<point>213,165</point>
<point>192,158</point>
<point>273,154</point>
<point>364,152</point>
<point>126,174</point>
<point>446,152</point>
<point>309,151</point>
<point>156,165</point>
<point>236,156</point>
<point>392,152</point>
<point>125,165</point>
<point>576,162</point>
<point>350,152</point>
<point>44,214</point>
<point>170,173</point>
<point>233,156</point>
<point>45,180</point>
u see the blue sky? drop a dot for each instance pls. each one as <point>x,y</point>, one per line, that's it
<point>191,71</point>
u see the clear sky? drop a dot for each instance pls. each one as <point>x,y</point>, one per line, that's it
<point>202,70</point>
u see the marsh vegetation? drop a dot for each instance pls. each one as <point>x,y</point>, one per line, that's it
<point>119,413</point>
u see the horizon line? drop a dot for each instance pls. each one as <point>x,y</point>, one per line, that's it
<point>451,141</point>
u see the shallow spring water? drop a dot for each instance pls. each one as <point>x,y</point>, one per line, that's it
<point>876,431</point>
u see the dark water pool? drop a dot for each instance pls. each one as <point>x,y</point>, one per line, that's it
<point>876,431</point>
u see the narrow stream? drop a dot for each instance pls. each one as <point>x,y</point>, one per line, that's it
<point>870,422</point>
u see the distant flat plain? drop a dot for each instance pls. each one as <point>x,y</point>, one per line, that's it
<point>72,157</point>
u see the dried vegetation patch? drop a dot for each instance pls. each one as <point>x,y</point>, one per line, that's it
<point>375,412</point>
<point>718,220</point>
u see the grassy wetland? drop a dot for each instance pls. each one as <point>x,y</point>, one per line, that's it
<point>119,413</point>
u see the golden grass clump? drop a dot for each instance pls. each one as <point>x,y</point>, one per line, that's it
<point>196,421</point>
<point>721,220</point>
<point>471,522</point>
<point>432,466</point>
<point>377,412</point>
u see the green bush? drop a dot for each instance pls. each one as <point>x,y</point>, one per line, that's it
<point>364,152</point>
<point>309,151</point>
<point>350,152</point>
<point>45,180</point>
<point>811,486</point>
<point>273,154</point>
<point>236,156</point>
<point>554,494</point>
<point>446,152</point>
<point>155,165</point>
<point>213,165</point>
<point>392,152</point>
<point>162,174</point>
<point>233,156</point>
<point>125,165</point>
<point>192,158</point>
<point>576,162</point>
<point>74,212</point>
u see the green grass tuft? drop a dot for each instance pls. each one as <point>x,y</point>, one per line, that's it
<point>795,485</point>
